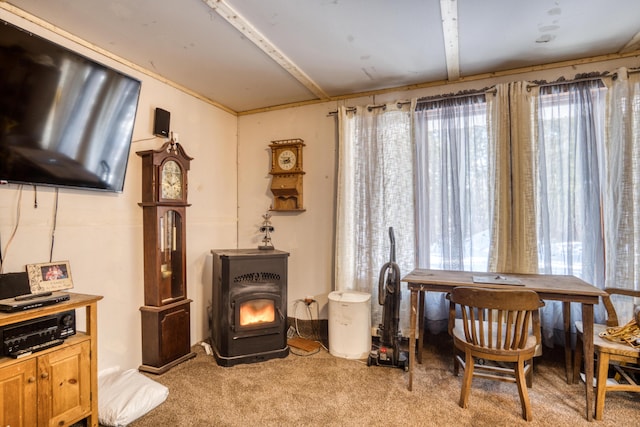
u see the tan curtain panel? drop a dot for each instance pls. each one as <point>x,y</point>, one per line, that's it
<point>512,124</point>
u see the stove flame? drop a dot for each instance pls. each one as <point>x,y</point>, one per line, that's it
<point>257,311</point>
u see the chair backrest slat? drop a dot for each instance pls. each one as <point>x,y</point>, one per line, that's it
<point>481,331</point>
<point>491,325</point>
<point>500,332</point>
<point>498,320</point>
<point>465,321</point>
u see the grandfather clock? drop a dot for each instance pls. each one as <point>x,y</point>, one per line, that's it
<point>166,314</point>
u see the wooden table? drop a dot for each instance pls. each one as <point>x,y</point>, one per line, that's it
<point>567,289</point>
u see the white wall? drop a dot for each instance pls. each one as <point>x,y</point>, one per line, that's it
<point>101,233</point>
<point>308,235</point>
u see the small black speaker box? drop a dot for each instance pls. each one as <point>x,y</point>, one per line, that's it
<point>161,122</point>
<point>14,284</point>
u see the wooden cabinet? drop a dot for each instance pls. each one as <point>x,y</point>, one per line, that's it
<point>18,394</point>
<point>57,386</point>
<point>165,336</point>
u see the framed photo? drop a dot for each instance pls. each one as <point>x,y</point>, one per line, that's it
<point>51,276</point>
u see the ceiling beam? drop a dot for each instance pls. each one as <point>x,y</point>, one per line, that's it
<point>449,15</point>
<point>633,44</point>
<point>245,27</point>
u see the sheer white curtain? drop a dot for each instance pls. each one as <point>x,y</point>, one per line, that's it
<point>622,196</point>
<point>568,196</point>
<point>375,192</point>
<point>453,203</point>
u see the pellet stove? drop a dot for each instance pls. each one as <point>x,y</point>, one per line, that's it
<point>249,313</point>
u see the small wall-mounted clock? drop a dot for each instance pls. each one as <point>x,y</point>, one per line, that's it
<point>286,168</point>
<point>166,314</point>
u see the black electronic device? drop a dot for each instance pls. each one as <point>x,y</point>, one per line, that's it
<point>29,301</point>
<point>161,122</point>
<point>14,284</point>
<point>66,120</point>
<point>24,338</point>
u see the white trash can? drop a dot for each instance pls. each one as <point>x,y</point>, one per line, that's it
<point>350,324</point>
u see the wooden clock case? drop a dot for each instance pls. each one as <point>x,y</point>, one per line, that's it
<point>166,313</point>
<point>287,181</point>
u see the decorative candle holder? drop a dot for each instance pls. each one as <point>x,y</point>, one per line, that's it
<point>267,229</point>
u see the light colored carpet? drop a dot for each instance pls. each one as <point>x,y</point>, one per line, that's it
<point>322,390</point>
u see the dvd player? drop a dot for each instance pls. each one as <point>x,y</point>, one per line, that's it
<point>27,302</point>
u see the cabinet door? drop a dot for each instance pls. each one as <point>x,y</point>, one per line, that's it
<point>64,385</point>
<point>18,402</point>
<point>165,333</point>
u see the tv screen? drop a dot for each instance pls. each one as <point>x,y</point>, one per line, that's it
<point>65,120</point>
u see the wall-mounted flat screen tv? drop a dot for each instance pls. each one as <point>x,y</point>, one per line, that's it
<point>65,120</point>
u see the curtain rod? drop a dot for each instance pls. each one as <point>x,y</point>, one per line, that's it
<point>563,81</point>
<point>492,90</point>
<point>586,78</point>
<point>560,81</point>
<point>630,71</point>
<point>464,94</point>
<point>369,107</point>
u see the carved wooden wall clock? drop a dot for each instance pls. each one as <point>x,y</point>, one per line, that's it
<point>287,172</point>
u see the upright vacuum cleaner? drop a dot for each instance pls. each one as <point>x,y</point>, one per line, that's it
<point>387,352</point>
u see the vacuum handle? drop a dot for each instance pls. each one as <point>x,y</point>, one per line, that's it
<point>388,281</point>
<point>392,256</point>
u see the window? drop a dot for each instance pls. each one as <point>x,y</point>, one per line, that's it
<point>523,180</point>
<point>570,158</point>
<point>452,184</point>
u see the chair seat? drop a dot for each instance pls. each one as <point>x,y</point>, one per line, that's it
<point>603,344</point>
<point>506,355</point>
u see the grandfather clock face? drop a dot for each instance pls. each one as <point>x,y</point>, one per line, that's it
<point>171,185</point>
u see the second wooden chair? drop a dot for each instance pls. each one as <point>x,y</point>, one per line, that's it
<point>618,356</point>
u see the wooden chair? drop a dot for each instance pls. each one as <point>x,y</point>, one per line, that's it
<point>622,358</point>
<point>499,325</point>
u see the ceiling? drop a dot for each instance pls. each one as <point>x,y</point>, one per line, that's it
<point>248,55</point>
